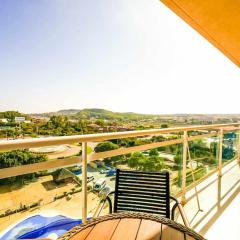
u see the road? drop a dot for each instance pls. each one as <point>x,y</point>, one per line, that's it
<point>96,174</point>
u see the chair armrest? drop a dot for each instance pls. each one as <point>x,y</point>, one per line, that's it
<point>174,206</point>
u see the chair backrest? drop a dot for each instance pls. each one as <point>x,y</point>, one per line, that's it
<point>142,192</point>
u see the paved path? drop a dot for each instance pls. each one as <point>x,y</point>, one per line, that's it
<point>72,150</point>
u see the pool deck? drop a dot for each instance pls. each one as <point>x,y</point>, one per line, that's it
<point>220,204</point>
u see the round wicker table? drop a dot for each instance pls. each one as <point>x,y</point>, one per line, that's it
<point>129,226</point>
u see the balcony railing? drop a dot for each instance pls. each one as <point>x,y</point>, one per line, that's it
<point>203,131</point>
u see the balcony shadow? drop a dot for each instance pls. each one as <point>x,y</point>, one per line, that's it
<point>6,188</point>
<point>210,183</point>
<point>51,185</point>
<point>220,210</point>
<point>221,203</point>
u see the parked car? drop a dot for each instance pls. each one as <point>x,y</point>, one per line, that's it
<point>103,171</point>
<point>111,172</point>
<point>90,178</point>
<point>100,184</point>
<point>77,172</point>
<point>99,163</point>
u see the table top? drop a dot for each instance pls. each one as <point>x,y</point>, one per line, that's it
<point>129,226</point>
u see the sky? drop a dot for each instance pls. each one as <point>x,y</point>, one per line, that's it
<point>119,55</point>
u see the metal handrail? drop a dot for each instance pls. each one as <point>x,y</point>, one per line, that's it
<point>214,130</point>
<point>50,141</point>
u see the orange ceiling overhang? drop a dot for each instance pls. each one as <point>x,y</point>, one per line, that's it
<point>217,20</point>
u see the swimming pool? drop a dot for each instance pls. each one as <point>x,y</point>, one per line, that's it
<point>40,226</point>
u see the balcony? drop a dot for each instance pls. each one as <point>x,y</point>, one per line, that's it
<point>209,198</point>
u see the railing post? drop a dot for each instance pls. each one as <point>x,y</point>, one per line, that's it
<point>84,182</point>
<point>220,145</point>
<point>238,146</point>
<point>184,167</point>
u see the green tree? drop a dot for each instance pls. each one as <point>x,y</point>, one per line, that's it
<point>153,152</point>
<point>199,149</point>
<point>105,146</point>
<point>159,138</point>
<point>18,158</point>
<point>153,163</point>
<point>178,166</point>
<point>140,162</point>
<point>178,160</point>
<point>100,122</point>
<point>59,121</point>
<point>137,160</point>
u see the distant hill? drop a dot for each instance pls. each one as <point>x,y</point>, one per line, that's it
<point>110,115</point>
<point>68,111</point>
<point>97,113</point>
<point>106,114</point>
<point>65,112</point>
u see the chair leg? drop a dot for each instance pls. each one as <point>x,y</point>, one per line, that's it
<point>101,205</point>
<point>181,210</point>
<point>183,215</point>
<point>99,209</point>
